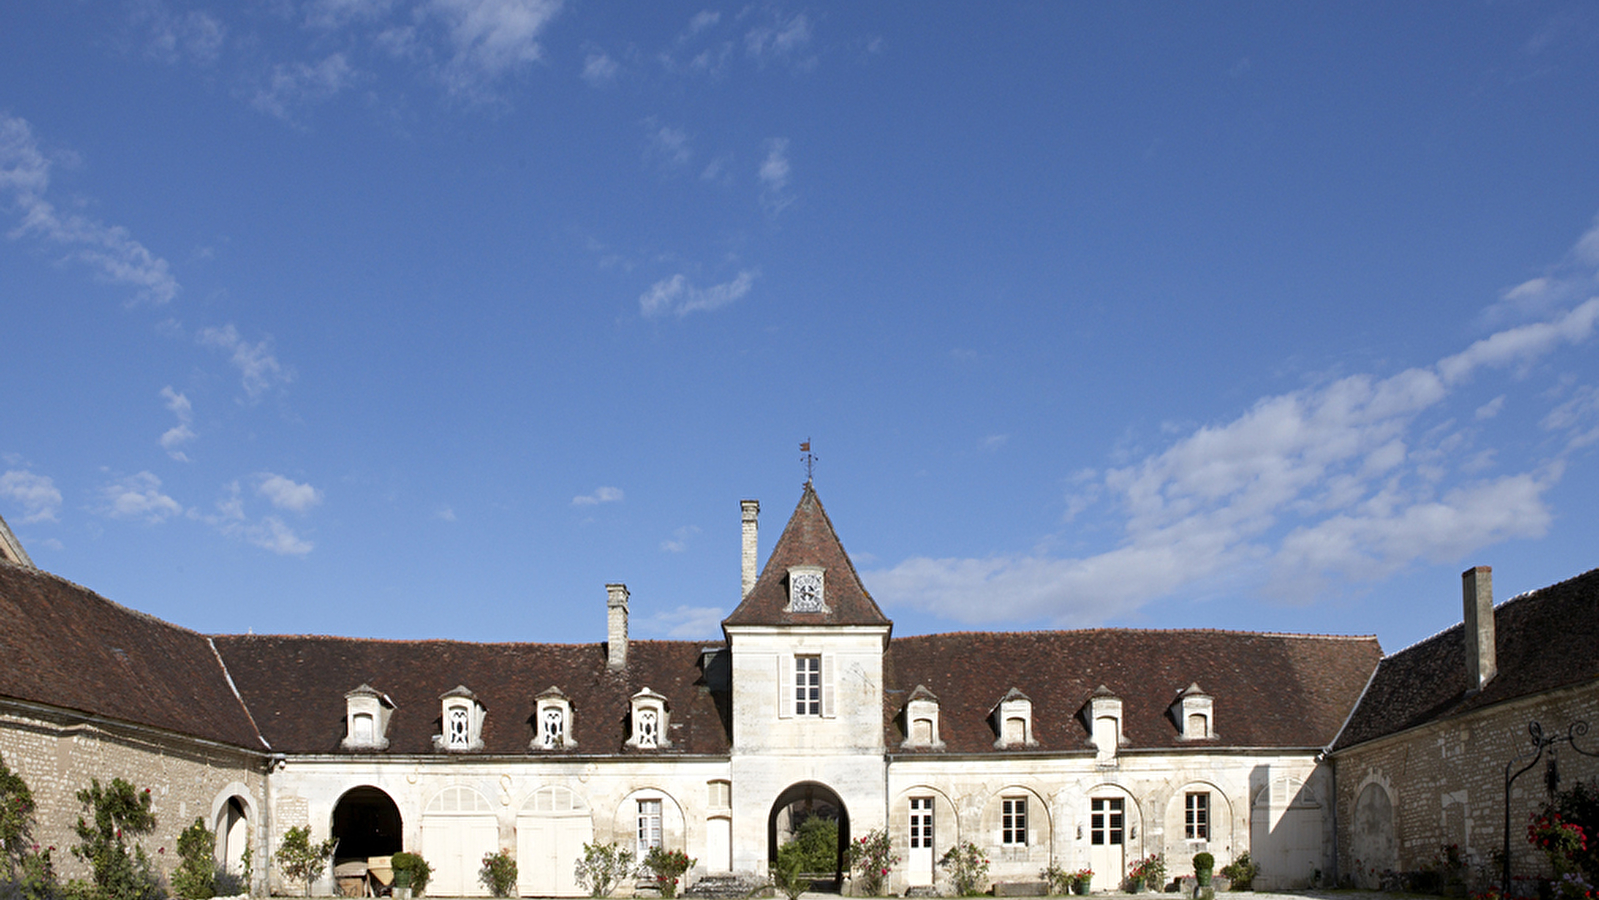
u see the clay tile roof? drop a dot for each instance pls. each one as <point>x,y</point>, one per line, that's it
<point>1269,690</point>
<point>67,647</point>
<point>1544,640</point>
<point>296,686</point>
<point>808,540</point>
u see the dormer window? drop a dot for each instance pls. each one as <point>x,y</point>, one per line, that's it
<point>921,720</point>
<point>552,721</point>
<point>649,721</point>
<point>1104,714</point>
<point>366,719</point>
<point>806,589</point>
<point>462,721</point>
<point>1013,720</point>
<point>1194,712</point>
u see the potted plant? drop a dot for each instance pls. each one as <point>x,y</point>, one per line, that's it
<point>1204,865</point>
<point>415,869</point>
<point>1081,880</point>
<point>1151,871</point>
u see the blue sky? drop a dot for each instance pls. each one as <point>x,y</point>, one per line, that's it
<point>427,318</point>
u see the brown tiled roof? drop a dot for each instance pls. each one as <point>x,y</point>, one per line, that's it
<point>1544,640</point>
<point>1269,690</point>
<point>808,540</point>
<point>296,687</point>
<point>68,647</point>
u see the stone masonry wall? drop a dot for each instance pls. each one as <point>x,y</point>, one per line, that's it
<point>58,753</point>
<point>1445,785</point>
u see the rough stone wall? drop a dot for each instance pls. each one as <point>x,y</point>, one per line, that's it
<point>58,753</point>
<point>1444,783</point>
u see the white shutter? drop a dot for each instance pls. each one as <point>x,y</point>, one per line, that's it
<point>828,711</point>
<point>785,687</point>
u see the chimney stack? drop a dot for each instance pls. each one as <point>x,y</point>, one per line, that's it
<point>1477,596</point>
<point>750,509</point>
<point>616,627</point>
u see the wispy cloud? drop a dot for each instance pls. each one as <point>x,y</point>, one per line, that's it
<point>668,144</point>
<point>292,86</point>
<point>286,493</point>
<point>600,495</point>
<point>599,69</point>
<point>685,622</point>
<point>333,14</point>
<point>490,38</point>
<point>1353,480</point>
<point>36,494</point>
<point>178,435</point>
<point>108,250</point>
<point>256,362</point>
<point>137,496</point>
<point>268,532</point>
<point>678,542</point>
<point>781,39</point>
<point>774,174</point>
<point>677,297</point>
<point>194,36</point>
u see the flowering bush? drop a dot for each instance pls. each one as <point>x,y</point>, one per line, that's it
<point>667,866</point>
<point>196,877</point>
<point>302,860</point>
<point>603,866</point>
<point>498,873</point>
<point>871,858</point>
<point>16,818</point>
<point>1151,870</point>
<point>120,812</point>
<point>967,867</point>
<point>1560,840</point>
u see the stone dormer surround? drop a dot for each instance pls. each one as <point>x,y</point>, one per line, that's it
<point>366,719</point>
<point>921,721</point>
<point>1104,714</point>
<point>552,721</point>
<point>651,721</point>
<point>1195,714</point>
<point>461,721</point>
<point>1012,720</point>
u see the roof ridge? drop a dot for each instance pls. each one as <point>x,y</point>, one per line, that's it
<point>1168,631</point>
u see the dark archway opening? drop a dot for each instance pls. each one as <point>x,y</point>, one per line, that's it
<point>787,820</point>
<point>367,823</point>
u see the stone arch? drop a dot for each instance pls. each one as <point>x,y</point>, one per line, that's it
<point>1108,852</point>
<point>1287,833</point>
<point>1181,848</point>
<point>459,826</point>
<point>1373,844</point>
<point>551,828</point>
<point>232,817</point>
<point>367,823</point>
<point>807,797</point>
<point>917,866</point>
<point>632,813</point>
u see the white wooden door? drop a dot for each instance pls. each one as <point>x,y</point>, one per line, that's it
<point>458,829</point>
<point>919,862</point>
<point>550,833</point>
<point>1107,841</point>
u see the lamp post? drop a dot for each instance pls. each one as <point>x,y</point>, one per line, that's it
<point>1540,742</point>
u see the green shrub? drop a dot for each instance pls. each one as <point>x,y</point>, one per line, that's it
<point>498,873</point>
<point>196,876</point>
<point>967,868</point>
<point>16,819</point>
<point>817,839</point>
<point>302,860</point>
<point>1241,872</point>
<point>788,871</point>
<point>667,866</point>
<point>415,868</point>
<point>121,812</point>
<point>604,866</point>
<point>1058,879</point>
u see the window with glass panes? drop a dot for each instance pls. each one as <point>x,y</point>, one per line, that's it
<point>1196,817</point>
<point>1106,817</point>
<point>807,685</point>
<point>1013,821</point>
<point>649,826</point>
<point>921,823</point>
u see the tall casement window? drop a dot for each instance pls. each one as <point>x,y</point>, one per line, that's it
<point>921,823</point>
<point>649,826</point>
<point>1106,819</point>
<point>1013,822</point>
<point>1196,817</point>
<point>807,685</point>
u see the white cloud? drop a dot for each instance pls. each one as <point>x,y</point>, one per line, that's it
<point>195,35</point>
<point>294,85</point>
<point>678,542</point>
<point>137,496</point>
<point>491,38</point>
<point>285,493</point>
<point>705,18</point>
<point>599,69</point>
<point>781,40</point>
<point>600,495</point>
<point>270,533</point>
<point>181,433</point>
<point>36,494</point>
<point>108,250</point>
<point>995,441</point>
<point>1355,479</point>
<point>676,296</point>
<point>774,174</point>
<point>685,622</point>
<point>446,513</point>
<point>333,14</point>
<point>256,362</point>
<point>670,144</point>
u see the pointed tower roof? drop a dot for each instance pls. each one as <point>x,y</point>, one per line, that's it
<point>808,540</point>
<point>11,549</point>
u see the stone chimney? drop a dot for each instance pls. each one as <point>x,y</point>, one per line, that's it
<point>1477,596</point>
<point>751,509</point>
<point>616,627</point>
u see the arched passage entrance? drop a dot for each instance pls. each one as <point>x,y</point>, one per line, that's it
<point>796,804</point>
<point>367,823</point>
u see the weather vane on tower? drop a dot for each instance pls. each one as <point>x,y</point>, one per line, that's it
<point>809,458</point>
